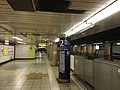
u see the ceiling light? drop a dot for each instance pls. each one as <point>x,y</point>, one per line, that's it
<point>57,39</point>
<point>107,10</point>
<point>81,28</point>
<point>6,43</point>
<point>97,47</point>
<point>98,43</point>
<point>17,38</point>
<point>21,42</point>
<point>83,45</point>
<point>118,43</point>
<point>111,9</point>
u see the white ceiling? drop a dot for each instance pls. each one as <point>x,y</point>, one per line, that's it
<point>47,24</point>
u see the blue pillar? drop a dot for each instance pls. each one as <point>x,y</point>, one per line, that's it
<point>64,60</point>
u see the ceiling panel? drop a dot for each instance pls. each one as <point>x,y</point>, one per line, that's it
<point>22,5</point>
<point>49,24</point>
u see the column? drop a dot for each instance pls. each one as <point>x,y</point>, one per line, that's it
<point>78,48</point>
<point>48,47</point>
<point>54,54</point>
<point>89,51</point>
<point>51,50</point>
<point>107,51</point>
<point>64,61</point>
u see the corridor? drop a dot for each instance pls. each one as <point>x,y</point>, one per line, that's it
<point>31,75</point>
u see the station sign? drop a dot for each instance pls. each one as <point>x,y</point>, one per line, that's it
<point>64,59</point>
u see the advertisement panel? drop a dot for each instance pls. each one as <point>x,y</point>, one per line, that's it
<point>5,51</point>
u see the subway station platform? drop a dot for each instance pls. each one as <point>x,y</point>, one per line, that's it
<point>35,74</point>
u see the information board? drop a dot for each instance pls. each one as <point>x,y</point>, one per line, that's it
<point>64,59</point>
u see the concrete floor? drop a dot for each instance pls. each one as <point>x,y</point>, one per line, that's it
<point>31,75</point>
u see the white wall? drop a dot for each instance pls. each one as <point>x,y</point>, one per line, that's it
<point>4,58</point>
<point>22,51</point>
<point>11,51</point>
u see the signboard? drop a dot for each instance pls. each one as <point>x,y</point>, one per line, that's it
<point>42,44</point>
<point>5,51</point>
<point>31,51</point>
<point>64,59</point>
<point>62,62</point>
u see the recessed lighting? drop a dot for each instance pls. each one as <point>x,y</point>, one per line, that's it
<point>17,38</point>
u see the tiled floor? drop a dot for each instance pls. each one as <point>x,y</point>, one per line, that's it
<point>31,75</point>
<point>66,86</point>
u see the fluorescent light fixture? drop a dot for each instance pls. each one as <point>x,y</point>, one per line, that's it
<point>73,27</point>
<point>105,11</point>
<point>21,42</point>
<point>57,39</point>
<point>83,45</point>
<point>75,45</point>
<point>97,47</point>
<point>6,43</point>
<point>118,43</point>
<point>98,43</point>
<point>81,28</point>
<point>17,38</point>
<point>113,8</point>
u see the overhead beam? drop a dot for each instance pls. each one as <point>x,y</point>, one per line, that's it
<point>6,29</point>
